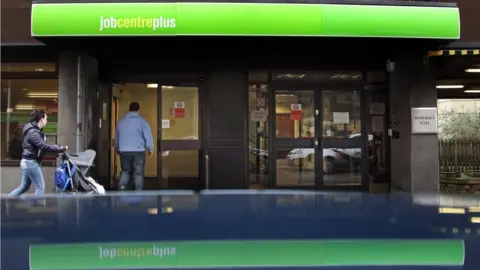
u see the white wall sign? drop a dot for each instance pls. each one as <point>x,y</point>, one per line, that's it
<point>341,117</point>
<point>165,123</point>
<point>179,105</point>
<point>424,120</point>
<point>258,116</point>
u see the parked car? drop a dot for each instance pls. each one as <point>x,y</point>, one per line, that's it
<point>334,158</point>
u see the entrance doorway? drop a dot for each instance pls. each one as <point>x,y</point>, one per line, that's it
<point>174,114</point>
<point>319,139</point>
<point>180,157</point>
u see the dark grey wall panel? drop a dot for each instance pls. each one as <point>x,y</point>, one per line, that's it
<point>227,98</point>
<point>227,168</point>
<point>226,136</point>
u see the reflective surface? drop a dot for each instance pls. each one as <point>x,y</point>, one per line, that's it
<point>117,221</point>
<point>294,114</point>
<point>258,134</point>
<point>180,113</point>
<point>341,113</point>
<point>296,167</point>
<point>180,169</point>
<point>342,166</point>
<point>19,97</point>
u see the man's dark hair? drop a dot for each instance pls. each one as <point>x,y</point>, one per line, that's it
<point>134,107</point>
<point>36,115</point>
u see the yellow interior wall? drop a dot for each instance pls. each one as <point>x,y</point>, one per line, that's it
<point>180,127</point>
<point>282,108</point>
<point>180,163</point>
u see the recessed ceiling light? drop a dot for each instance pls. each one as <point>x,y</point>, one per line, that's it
<point>167,86</point>
<point>472,91</point>
<point>39,69</point>
<point>450,86</point>
<point>152,85</point>
<point>473,70</point>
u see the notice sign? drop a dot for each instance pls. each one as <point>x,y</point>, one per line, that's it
<point>165,123</point>
<point>179,109</point>
<point>296,111</point>
<point>341,117</point>
<point>424,120</point>
<point>258,116</point>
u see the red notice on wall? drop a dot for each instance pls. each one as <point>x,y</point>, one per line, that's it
<point>296,111</point>
<point>179,109</point>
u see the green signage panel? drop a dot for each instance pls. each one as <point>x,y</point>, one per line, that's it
<point>234,254</point>
<point>244,19</point>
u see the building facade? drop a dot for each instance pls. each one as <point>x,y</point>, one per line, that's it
<point>238,95</point>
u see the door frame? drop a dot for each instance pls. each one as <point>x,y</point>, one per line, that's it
<point>318,90</point>
<point>113,125</point>
<point>194,145</point>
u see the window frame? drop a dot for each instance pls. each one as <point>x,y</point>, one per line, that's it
<point>5,75</point>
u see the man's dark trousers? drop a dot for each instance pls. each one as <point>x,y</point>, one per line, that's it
<point>133,170</point>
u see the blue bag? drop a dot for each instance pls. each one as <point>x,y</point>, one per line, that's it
<point>62,179</point>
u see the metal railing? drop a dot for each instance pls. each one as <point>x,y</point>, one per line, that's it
<point>459,156</point>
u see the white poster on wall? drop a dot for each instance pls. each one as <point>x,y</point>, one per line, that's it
<point>258,116</point>
<point>424,120</point>
<point>165,123</point>
<point>341,117</point>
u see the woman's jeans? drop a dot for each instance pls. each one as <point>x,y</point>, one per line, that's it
<point>31,173</point>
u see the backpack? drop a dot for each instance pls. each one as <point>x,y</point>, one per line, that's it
<point>62,178</point>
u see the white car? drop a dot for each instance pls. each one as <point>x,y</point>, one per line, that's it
<point>333,158</point>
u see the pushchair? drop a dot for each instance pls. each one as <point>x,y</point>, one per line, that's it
<point>72,174</point>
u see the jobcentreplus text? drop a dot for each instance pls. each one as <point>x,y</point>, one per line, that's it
<point>136,22</point>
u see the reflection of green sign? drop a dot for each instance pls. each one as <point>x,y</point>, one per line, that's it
<point>50,128</point>
<point>22,118</point>
<point>231,254</point>
<point>244,19</point>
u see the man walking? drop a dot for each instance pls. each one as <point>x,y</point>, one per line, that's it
<point>133,136</point>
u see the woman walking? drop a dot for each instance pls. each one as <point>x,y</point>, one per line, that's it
<point>34,148</point>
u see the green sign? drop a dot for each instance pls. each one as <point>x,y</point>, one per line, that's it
<point>231,254</point>
<point>244,19</point>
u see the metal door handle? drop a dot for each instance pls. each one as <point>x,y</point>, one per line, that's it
<point>207,172</point>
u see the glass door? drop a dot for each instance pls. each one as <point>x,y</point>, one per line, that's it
<point>294,151</point>
<point>342,139</point>
<point>180,157</point>
<point>319,140</point>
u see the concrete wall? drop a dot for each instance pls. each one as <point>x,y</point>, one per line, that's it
<point>11,177</point>
<point>414,157</point>
<point>67,101</point>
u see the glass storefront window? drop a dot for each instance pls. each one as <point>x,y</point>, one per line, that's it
<point>295,167</point>
<point>294,123</point>
<point>341,114</point>
<point>180,113</point>
<point>180,169</point>
<point>378,138</point>
<point>28,67</point>
<point>258,135</point>
<point>342,166</point>
<point>19,98</point>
